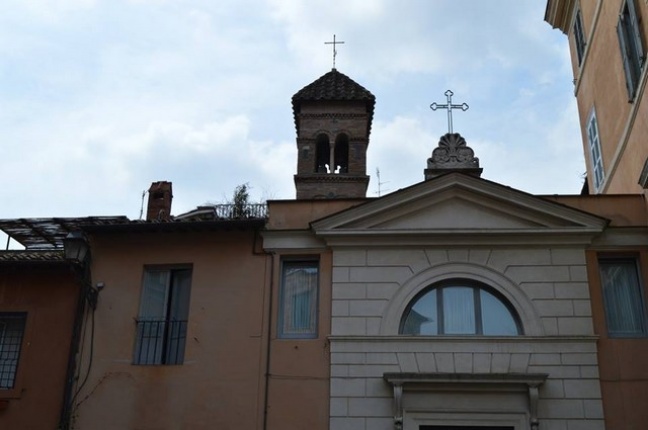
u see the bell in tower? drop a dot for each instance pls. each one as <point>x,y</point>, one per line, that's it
<point>333,119</point>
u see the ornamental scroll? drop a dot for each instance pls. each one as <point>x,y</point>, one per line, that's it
<point>452,154</point>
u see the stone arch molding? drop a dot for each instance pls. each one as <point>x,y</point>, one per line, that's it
<point>529,317</point>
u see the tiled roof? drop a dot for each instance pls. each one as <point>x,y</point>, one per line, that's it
<point>31,256</point>
<point>334,86</point>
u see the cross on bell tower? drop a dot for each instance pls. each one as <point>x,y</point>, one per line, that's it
<point>334,48</point>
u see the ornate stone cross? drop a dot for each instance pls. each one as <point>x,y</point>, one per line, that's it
<point>334,49</point>
<point>449,106</point>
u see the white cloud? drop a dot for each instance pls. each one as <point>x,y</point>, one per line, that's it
<point>101,98</point>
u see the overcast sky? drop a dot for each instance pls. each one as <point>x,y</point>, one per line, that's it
<point>100,98</point>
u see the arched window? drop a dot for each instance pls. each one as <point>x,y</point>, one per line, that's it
<point>323,154</point>
<point>460,307</point>
<point>342,154</point>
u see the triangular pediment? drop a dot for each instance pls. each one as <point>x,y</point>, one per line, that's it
<point>459,205</point>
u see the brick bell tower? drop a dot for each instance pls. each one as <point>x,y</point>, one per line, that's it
<point>333,120</point>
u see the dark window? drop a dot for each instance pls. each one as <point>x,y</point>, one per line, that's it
<point>298,299</point>
<point>162,320</point>
<point>459,307</point>
<point>342,154</point>
<point>622,297</point>
<point>579,36</point>
<point>630,41</point>
<point>12,328</point>
<point>323,154</point>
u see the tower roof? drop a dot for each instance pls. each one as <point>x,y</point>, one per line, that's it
<point>334,86</point>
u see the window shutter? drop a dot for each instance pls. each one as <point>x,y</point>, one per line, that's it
<point>636,32</point>
<point>625,58</point>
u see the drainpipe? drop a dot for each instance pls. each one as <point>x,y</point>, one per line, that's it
<point>268,344</point>
<point>66,409</point>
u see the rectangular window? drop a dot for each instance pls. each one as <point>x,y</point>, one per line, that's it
<point>622,297</point>
<point>12,328</point>
<point>595,151</point>
<point>631,44</point>
<point>163,314</point>
<point>298,299</point>
<point>579,36</point>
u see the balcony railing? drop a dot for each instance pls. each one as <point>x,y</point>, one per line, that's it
<point>160,341</point>
<point>231,211</point>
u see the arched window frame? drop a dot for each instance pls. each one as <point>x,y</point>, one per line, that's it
<point>477,287</point>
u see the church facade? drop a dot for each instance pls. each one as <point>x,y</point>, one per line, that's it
<point>454,304</point>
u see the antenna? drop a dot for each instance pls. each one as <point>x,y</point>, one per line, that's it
<point>142,206</point>
<point>379,182</point>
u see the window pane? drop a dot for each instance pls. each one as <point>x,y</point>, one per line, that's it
<point>422,317</point>
<point>154,294</point>
<point>458,310</point>
<point>496,318</point>
<point>624,311</point>
<point>298,313</point>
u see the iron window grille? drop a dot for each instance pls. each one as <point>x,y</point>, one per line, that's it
<point>12,329</point>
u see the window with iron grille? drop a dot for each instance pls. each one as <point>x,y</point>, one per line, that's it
<point>12,328</point>
<point>162,321</point>
<point>298,299</point>
<point>631,44</point>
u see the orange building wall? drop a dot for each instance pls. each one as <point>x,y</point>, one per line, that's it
<point>49,296</point>
<point>299,368</point>
<point>622,362</point>
<point>222,383</point>
<point>600,84</point>
<point>219,383</point>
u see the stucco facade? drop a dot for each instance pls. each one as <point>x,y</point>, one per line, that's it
<point>42,290</point>
<point>532,252</point>
<point>600,87</point>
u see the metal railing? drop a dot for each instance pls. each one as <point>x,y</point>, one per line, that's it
<point>160,341</point>
<point>232,211</point>
<point>12,327</point>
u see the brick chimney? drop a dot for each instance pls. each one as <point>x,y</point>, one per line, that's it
<point>159,201</point>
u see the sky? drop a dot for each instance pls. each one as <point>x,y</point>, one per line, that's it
<point>100,98</point>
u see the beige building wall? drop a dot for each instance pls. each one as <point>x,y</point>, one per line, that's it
<point>548,287</point>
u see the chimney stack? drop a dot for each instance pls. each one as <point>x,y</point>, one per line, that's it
<point>159,201</point>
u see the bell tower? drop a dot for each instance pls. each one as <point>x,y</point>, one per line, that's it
<point>333,120</point>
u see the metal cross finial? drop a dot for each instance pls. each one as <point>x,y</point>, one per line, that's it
<point>334,50</point>
<point>449,106</point>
